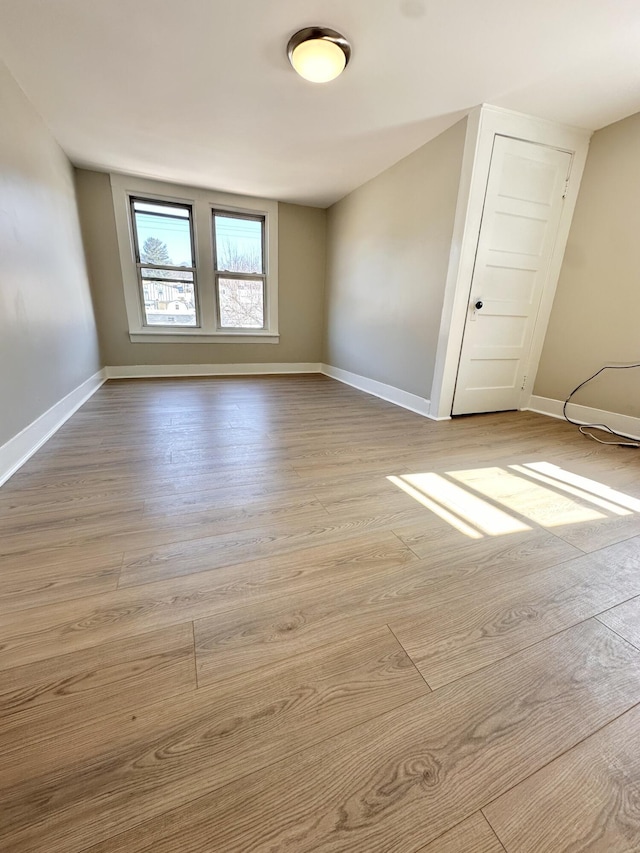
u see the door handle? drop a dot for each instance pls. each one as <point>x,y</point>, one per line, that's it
<point>479,304</point>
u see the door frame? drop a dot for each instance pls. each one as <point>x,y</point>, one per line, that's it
<point>483,124</point>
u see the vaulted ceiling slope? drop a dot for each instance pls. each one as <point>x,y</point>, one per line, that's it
<point>200,91</point>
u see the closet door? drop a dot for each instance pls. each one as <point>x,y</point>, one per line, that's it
<point>523,202</point>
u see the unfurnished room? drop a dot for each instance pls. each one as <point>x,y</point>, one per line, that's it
<point>319,426</point>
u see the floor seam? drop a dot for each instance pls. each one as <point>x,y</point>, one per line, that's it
<point>520,650</point>
<point>490,825</point>
<point>252,772</point>
<point>409,656</point>
<point>195,656</point>
<point>613,630</point>
<point>120,571</point>
<point>560,754</point>
<point>408,547</point>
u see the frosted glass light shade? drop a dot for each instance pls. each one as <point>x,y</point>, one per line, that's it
<point>318,60</point>
<point>319,55</point>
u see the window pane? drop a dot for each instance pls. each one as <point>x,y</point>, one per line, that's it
<point>175,275</point>
<point>163,233</point>
<point>241,303</point>
<point>166,209</point>
<point>169,303</point>
<point>238,243</point>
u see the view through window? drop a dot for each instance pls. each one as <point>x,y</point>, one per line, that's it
<point>239,270</point>
<point>164,249</point>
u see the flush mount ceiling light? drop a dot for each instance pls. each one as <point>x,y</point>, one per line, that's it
<point>318,54</point>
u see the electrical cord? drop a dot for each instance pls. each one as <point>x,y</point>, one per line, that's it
<point>628,442</point>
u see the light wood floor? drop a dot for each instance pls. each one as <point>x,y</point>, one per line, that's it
<point>224,629</point>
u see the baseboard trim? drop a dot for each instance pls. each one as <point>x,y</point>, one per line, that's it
<point>22,446</point>
<point>168,371</point>
<point>624,424</point>
<point>419,405</point>
<point>15,452</point>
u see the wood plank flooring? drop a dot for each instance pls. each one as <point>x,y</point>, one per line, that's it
<point>270,614</point>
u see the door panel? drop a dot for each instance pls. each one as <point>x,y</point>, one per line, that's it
<point>497,371</point>
<point>506,283</point>
<point>522,208</point>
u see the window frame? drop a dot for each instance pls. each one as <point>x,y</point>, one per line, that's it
<point>140,265</point>
<point>239,276</point>
<point>202,203</point>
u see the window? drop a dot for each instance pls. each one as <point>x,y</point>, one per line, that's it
<point>196,265</point>
<point>165,260</point>
<point>238,241</point>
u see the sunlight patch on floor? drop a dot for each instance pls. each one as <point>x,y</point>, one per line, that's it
<point>440,511</point>
<point>484,516</point>
<point>585,483</point>
<point>532,500</point>
<point>495,501</point>
<point>571,490</point>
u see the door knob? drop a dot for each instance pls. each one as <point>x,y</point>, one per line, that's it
<point>479,304</point>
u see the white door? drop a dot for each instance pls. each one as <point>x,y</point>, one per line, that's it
<point>522,207</point>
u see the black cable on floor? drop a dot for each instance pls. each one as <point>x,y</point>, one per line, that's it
<point>628,442</point>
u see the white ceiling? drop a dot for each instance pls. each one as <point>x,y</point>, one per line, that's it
<point>200,91</point>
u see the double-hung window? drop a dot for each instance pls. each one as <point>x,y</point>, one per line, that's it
<point>239,262</point>
<point>196,265</point>
<point>165,262</point>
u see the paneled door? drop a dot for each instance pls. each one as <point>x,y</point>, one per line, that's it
<point>523,202</point>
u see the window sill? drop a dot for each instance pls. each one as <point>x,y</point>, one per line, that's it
<point>145,336</point>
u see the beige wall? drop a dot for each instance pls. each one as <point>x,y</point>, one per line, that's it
<point>301,258</point>
<point>596,312</point>
<point>48,342</point>
<point>388,250</point>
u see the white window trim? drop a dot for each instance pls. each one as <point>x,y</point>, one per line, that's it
<point>203,202</point>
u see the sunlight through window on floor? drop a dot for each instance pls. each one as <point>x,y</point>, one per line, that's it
<point>495,501</point>
<point>532,500</point>
<point>447,516</point>
<point>584,483</point>
<point>484,516</point>
<point>572,490</point>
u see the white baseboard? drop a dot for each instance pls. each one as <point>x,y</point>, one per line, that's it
<point>141,371</point>
<point>390,393</point>
<point>624,424</point>
<point>22,446</point>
